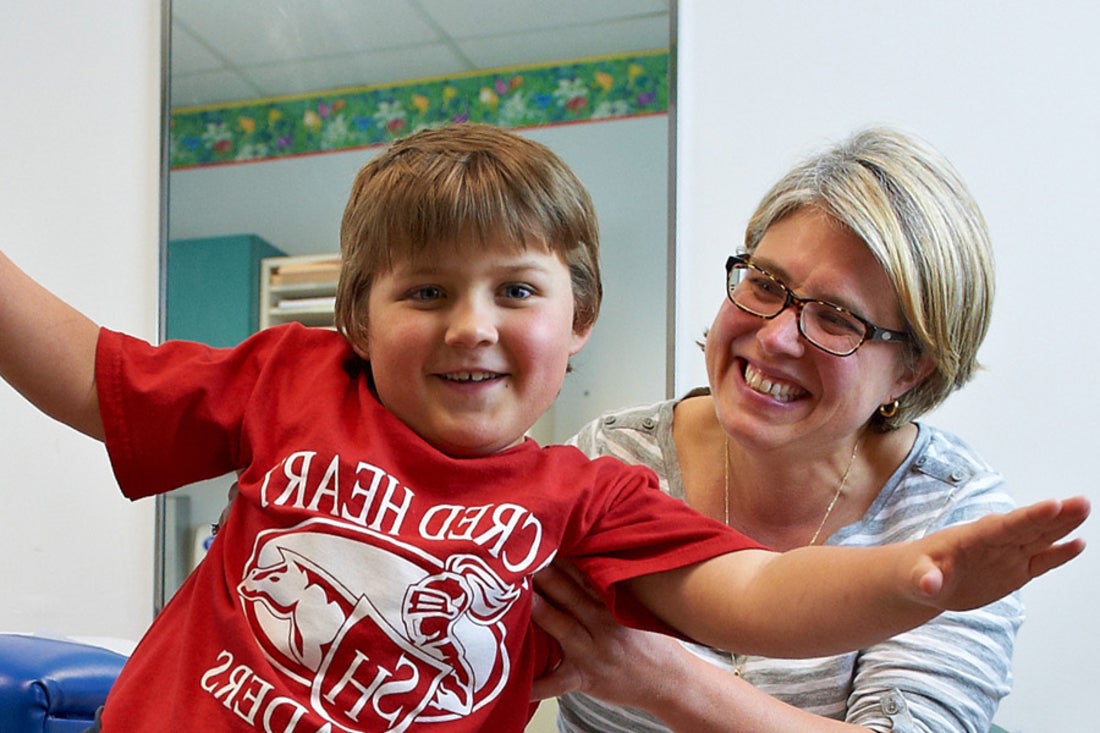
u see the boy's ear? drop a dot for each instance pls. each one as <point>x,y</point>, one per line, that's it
<point>361,351</point>
<point>580,338</point>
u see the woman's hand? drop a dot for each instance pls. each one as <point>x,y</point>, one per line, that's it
<point>647,671</point>
<point>224,516</point>
<point>601,658</point>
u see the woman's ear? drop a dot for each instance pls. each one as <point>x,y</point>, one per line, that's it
<point>910,375</point>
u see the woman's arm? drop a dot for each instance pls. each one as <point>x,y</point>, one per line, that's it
<point>47,351</point>
<point>652,672</point>
<point>814,601</point>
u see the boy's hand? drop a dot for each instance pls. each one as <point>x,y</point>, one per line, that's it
<point>816,601</point>
<point>970,565</point>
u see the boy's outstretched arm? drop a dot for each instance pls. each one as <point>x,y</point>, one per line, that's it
<point>47,351</point>
<point>814,601</point>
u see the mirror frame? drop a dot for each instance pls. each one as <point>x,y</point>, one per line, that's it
<point>160,511</point>
<point>160,545</point>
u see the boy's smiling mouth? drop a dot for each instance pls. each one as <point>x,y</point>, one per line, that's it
<point>470,377</point>
<point>779,391</point>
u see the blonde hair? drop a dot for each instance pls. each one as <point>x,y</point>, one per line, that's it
<point>461,183</point>
<point>913,211</point>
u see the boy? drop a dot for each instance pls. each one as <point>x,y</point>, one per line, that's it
<point>374,572</point>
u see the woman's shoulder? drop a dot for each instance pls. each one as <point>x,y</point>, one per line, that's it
<point>943,482</point>
<point>616,424</point>
<point>949,447</point>
<point>949,460</point>
<point>638,417</point>
<point>641,434</point>
<point>651,418</point>
<point>973,486</point>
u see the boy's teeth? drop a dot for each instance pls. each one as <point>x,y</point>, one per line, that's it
<point>759,383</point>
<point>470,376</point>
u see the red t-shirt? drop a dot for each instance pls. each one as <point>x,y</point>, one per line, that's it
<point>364,580</point>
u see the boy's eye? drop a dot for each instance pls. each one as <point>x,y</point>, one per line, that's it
<point>517,291</point>
<point>426,293</point>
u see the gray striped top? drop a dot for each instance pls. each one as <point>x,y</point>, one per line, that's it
<point>948,675</point>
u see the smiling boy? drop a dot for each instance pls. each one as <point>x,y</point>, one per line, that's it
<point>470,343</point>
<point>375,570</point>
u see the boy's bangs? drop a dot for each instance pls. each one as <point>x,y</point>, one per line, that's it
<point>461,212</point>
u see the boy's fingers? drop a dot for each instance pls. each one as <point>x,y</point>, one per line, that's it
<point>930,580</point>
<point>1038,525</point>
<point>1055,556</point>
<point>1072,514</point>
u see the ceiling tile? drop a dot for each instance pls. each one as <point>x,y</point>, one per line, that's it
<point>190,54</point>
<point>212,87</point>
<point>228,50</point>
<point>256,31</point>
<point>473,18</point>
<point>356,70</point>
<point>553,45</point>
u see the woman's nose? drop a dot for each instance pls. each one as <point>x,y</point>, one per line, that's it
<point>780,335</point>
<point>471,324</point>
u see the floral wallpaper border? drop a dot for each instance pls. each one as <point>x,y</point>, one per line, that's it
<point>550,94</point>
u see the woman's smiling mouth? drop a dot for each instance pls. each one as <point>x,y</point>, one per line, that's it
<point>779,391</point>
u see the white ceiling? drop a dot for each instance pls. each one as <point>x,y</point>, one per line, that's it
<point>231,50</point>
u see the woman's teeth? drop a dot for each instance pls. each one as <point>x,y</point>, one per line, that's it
<point>777,390</point>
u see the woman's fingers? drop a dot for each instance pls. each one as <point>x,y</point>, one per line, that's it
<point>565,630</point>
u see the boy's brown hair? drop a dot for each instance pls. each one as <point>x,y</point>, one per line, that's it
<point>460,183</point>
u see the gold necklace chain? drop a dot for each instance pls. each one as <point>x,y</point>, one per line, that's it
<point>828,509</point>
<point>839,489</point>
<point>740,660</point>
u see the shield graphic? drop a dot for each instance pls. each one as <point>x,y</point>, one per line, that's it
<point>372,678</point>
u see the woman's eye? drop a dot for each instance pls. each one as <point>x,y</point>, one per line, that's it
<point>765,286</point>
<point>838,322</point>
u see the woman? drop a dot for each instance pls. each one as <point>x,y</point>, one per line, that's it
<point>859,305</point>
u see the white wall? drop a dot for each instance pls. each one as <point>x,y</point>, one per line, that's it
<point>78,187</point>
<point>1007,89</point>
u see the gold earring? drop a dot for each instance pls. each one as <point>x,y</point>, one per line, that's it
<point>888,410</point>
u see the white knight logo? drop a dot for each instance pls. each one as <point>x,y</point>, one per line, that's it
<point>381,634</point>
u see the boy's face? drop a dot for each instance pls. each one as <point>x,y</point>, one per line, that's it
<point>470,347</point>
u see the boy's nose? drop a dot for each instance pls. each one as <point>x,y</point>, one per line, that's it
<point>471,325</point>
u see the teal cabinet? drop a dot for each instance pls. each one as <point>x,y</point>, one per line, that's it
<point>212,295</point>
<point>213,288</point>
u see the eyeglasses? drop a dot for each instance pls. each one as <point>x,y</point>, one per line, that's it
<point>829,327</point>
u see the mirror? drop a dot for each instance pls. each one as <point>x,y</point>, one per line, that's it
<point>276,105</point>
